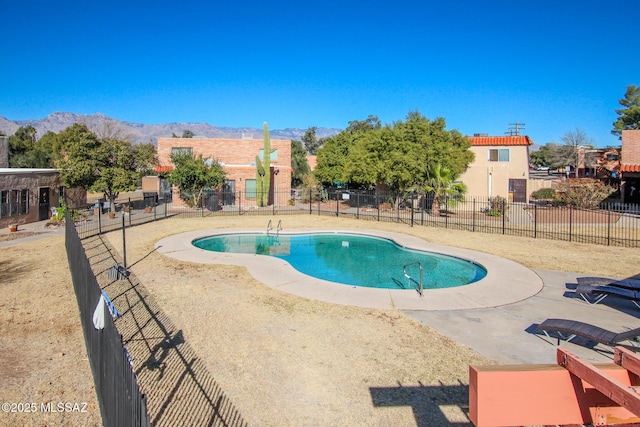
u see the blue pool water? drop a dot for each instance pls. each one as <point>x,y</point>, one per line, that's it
<point>351,259</point>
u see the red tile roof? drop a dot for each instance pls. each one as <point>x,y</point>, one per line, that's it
<point>163,169</point>
<point>629,168</point>
<point>500,140</point>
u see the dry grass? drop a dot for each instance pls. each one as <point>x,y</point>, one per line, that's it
<point>283,360</point>
<point>286,360</point>
<point>42,354</point>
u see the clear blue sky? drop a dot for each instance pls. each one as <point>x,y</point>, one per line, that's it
<point>555,65</point>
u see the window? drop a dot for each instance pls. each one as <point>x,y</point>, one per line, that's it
<point>612,157</point>
<point>182,150</point>
<point>273,157</point>
<point>499,155</point>
<point>14,202</point>
<point>250,188</point>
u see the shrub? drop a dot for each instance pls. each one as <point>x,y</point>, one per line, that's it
<point>497,206</point>
<point>544,194</point>
<point>584,193</point>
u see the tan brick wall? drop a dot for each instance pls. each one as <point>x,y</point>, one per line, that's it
<point>630,147</point>
<point>238,159</point>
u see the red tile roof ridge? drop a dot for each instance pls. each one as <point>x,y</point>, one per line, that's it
<point>500,140</point>
<point>630,168</point>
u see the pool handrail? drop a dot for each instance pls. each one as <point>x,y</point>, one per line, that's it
<point>419,286</point>
<point>278,227</point>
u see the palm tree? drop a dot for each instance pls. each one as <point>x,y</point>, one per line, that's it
<point>441,182</point>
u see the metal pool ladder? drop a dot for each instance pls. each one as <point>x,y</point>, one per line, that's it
<point>278,227</point>
<point>419,286</point>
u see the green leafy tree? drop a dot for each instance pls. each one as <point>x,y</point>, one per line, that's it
<point>332,158</point>
<point>370,123</point>
<point>398,155</point>
<point>542,156</point>
<point>25,151</point>
<point>350,156</point>
<point>192,174</point>
<point>435,144</point>
<point>441,184</point>
<point>629,116</point>
<point>109,166</point>
<point>299,162</point>
<point>77,156</point>
<point>310,140</point>
<point>187,134</point>
<point>21,145</point>
<point>43,155</point>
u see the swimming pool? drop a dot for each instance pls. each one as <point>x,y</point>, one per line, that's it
<point>352,259</point>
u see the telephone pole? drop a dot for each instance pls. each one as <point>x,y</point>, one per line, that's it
<point>515,128</point>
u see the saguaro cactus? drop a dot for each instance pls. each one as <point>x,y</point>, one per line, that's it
<point>263,170</point>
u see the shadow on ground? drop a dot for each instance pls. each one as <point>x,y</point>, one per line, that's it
<point>429,403</point>
<point>179,388</point>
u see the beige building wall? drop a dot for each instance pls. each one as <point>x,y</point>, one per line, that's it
<point>485,178</point>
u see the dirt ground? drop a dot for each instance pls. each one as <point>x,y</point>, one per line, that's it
<point>281,359</point>
<point>43,360</point>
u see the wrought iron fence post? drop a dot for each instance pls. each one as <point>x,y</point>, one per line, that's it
<point>357,205</point>
<point>570,221</point>
<point>337,205</point>
<point>446,211</point>
<point>609,226</point>
<point>99,218</point>
<point>412,199</point>
<point>129,207</point>
<point>378,204</point>
<point>535,221</point>
<point>473,215</point>
<point>124,243</point>
<point>504,214</point>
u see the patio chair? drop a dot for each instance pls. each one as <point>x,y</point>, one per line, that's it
<point>594,294</point>
<point>569,329</point>
<point>605,281</point>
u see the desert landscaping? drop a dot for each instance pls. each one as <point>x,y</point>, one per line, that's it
<point>281,360</point>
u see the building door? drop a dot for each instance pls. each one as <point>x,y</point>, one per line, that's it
<point>43,203</point>
<point>229,193</point>
<point>518,190</point>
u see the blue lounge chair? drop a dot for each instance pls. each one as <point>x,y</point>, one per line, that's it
<point>605,281</point>
<point>594,294</point>
<point>569,329</point>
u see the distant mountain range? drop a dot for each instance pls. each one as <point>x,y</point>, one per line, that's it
<point>142,133</point>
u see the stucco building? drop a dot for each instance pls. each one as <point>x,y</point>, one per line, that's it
<point>500,168</point>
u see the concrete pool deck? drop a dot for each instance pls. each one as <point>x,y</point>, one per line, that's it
<point>497,316</point>
<point>506,282</point>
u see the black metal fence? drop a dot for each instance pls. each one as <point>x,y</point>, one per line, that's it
<point>121,403</point>
<point>611,224</point>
